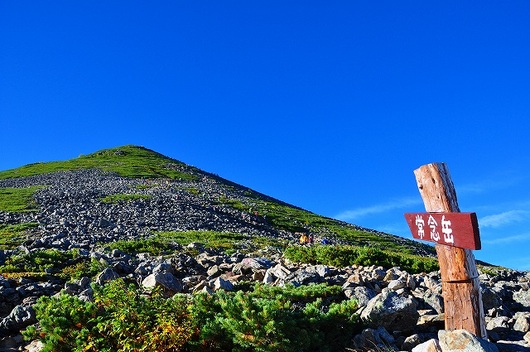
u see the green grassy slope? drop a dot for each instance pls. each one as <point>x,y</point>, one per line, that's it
<point>140,162</point>
<point>126,161</point>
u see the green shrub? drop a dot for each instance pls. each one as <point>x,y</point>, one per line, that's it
<point>121,318</point>
<point>165,242</point>
<point>88,267</point>
<point>12,236</point>
<point>341,256</point>
<point>38,261</point>
<point>305,318</point>
<point>155,246</point>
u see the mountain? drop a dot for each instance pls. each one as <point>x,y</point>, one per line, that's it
<point>130,191</point>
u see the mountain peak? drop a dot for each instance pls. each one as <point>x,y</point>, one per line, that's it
<point>164,185</point>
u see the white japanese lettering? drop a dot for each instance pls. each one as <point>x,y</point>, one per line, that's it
<point>447,230</point>
<point>435,235</point>
<point>420,223</point>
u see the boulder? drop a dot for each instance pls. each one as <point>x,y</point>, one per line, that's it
<point>462,340</point>
<point>490,298</point>
<point>391,311</point>
<point>304,277</point>
<point>431,345</point>
<point>19,318</point>
<point>106,275</point>
<point>522,322</point>
<point>34,346</point>
<point>277,272</point>
<point>367,340</point>
<point>321,270</point>
<point>221,284</point>
<point>522,297</point>
<point>361,294</point>
<point>164,280</point>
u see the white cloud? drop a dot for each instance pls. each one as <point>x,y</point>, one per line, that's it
<point>397,228</point>
<point>355,214</point>
<point>487,185</point>
<point>504,218</point>
<point>507,240</point>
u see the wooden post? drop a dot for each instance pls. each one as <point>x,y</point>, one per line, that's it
<point>460,282</point>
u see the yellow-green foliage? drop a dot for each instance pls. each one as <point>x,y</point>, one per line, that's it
<point>13,235</point>
<point>127,161</point>
<point>342,256</point>
<point>18,199</point>
<point>265,318</point>
<point>38,261</point>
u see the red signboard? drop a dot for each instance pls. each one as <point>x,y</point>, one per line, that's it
<point>451,229</point>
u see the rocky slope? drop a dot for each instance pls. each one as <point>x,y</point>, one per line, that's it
<point>76,210</point>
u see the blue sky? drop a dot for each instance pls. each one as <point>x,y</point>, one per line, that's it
<point>329,106</point>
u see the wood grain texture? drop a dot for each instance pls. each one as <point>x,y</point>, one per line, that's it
<point>461,287</point>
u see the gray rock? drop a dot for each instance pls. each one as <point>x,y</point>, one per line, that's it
<point>490,298</point>
<point>214,271</point>
<point>87,295</point>
<point>498,323</point>
<point>10,343</point>
<point>34,346</point>
<point>303,277</point>
<point>106,275</point>
<point>277,272</point>
<point>321,270</point>
<point>385,336</point>
<point>411,342</point>
<point>432,300</point>
<point>462,340</point>
<point>164,267</point>
<point>19,318</point>
<point>431,345</point>
<point>391,311</point>
<point>361,294</point>
<point>122,267</point>
<point>221,284</point>
<point>368,339</point>
<point>257,263</point>
<point>522,297</point>
<point>522,322</point>
<point>164,280</point>
<point>396,285</point>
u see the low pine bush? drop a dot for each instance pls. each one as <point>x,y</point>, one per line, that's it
<point>265,318</point>
<point>119,319</point>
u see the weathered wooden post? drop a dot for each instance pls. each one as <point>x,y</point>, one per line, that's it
<point>455,234</point>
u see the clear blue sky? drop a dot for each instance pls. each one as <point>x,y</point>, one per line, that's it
<point>327,105</point>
